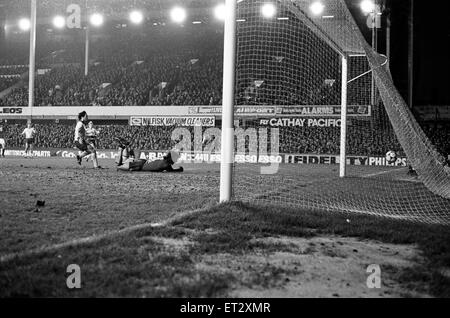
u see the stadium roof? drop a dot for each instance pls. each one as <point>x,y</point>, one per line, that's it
<point>335,25</point>
<point>108,7</point>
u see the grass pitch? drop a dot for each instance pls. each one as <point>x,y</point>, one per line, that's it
<point>240,250</point>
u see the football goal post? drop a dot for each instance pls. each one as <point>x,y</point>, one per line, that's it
<point>307,69</point>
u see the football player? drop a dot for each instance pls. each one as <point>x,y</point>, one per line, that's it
<point>127,162</point>
<point>81,143</point>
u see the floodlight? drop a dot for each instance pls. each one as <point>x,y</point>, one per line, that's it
<point>368,6</point>
<point>59,22</point>
<point>178,14</point>
<point>317,8</point>
<point>24,24</point>
<point>219,12</point>
<point>136,17</point>
<point>96,19</point>
<point>268,10</point>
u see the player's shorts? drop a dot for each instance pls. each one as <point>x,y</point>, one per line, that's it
<point>2,143</point>
<point>156,166</point>
<point>82,146</point>
<point>29,141</point>
<point>92,141</point>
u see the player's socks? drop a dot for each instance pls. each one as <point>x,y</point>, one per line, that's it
<point>94,160</point>
<point>120,162</point>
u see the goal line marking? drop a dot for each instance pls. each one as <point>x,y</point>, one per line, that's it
<point>96,238</point>
<point>381,173</point>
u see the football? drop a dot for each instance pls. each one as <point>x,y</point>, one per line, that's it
<point>391,157</point>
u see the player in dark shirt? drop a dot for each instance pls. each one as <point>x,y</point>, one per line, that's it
<point>127,162</point>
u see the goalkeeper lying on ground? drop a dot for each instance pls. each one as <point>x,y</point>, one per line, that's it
<point>127,162</point>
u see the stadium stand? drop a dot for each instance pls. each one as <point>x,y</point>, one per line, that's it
<point>164,65</point>
<point>120,76</point>
<point>292,140</point>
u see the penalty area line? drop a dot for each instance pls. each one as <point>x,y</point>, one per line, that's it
<point>97,238</point>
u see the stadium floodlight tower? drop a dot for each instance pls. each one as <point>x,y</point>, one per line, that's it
<point>96,19</point>
<point>369,7</point>
<point>32,66</point>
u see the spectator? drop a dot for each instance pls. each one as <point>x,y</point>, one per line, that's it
<point>293,140</point>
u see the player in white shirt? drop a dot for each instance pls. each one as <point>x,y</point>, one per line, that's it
<point>80,140</point>
<point>91,137</point>
<point>29,133</point>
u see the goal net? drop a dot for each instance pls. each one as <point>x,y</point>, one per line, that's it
<point>292,56</point>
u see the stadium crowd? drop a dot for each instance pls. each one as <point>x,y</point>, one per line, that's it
<point>61,136</point>
<point>6,83</point>
<point>164,65</point>
<point>362,142</point>
<point>168,67</point>
<point>321,140</point>
<point>439,137</point>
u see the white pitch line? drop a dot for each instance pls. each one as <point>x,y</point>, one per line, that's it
<point>401,217</point>
<point>381,173</point>
<point>95,238</point>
